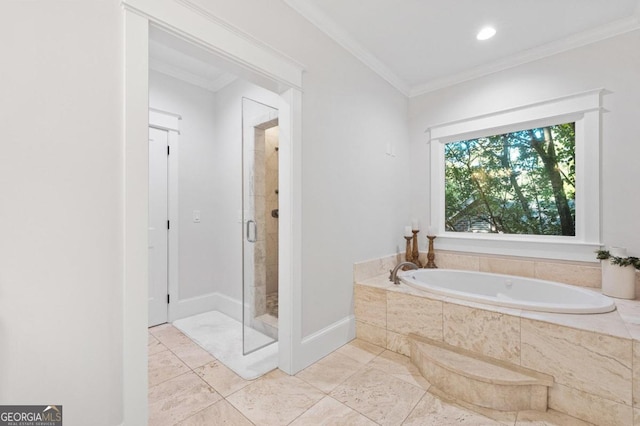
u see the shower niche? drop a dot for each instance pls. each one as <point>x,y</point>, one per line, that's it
<point>260,220</point>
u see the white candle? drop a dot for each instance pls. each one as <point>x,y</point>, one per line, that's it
<point>430,231</point>
<point>415,224</point>
<point>407,231</point>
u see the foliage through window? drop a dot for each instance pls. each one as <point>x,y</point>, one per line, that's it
<point>514,183</point>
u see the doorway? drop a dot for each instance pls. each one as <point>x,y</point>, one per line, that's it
<point>260,64</point>
<point>227,226</point>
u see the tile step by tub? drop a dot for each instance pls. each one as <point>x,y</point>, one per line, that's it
<point>477,379</point>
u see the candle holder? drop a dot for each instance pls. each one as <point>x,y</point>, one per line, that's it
<point>408,256</point>
<point>431,255</point>
<point>415,254</point>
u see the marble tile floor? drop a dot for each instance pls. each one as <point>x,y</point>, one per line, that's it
<point>358,384</point>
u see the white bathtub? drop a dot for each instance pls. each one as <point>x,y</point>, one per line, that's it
<point>510,291</point>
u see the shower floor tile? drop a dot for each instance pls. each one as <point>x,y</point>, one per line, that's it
<point>272,304</point>
<point>225,338</point>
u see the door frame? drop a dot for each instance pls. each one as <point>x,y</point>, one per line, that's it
<point>170,122</point>
<point>252,60</point>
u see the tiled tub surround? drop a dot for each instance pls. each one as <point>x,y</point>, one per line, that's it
<point>584,274</point>
<point>479,380</point>
<point>594,359</point>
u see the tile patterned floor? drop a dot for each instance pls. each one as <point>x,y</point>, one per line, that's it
<point>358,384</point>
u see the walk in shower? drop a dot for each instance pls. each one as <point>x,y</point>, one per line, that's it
<point>260,219</point>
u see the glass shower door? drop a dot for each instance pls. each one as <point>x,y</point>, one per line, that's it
<point>258,122</point>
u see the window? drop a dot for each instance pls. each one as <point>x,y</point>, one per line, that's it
<point>520,182</point>
<point>523,181</point>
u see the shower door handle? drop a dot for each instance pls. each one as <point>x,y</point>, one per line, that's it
<point>255,231</point>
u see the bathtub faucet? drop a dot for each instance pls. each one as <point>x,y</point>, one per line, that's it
<point>393,274</point>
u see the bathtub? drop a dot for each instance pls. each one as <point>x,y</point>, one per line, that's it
<point>509,291</point>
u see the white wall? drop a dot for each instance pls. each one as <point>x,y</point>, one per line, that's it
<point>61,204</point>
<point>613,64</point>
<point>355,198</point>
<point>61,182</point>
<point>204,246</point>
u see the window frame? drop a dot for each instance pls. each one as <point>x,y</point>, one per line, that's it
<point>584,109</point>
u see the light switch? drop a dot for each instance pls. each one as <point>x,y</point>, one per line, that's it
<point>391,149</point>
<point>196,216</point>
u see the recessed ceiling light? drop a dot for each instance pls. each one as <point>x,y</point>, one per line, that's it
<point>486,33</point>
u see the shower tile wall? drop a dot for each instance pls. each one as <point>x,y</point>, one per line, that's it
<point>260,246</point>
<point>271,204</point>
<point>265,183</point>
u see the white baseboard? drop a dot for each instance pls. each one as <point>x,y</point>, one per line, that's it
<point>205,303</point>
<point>229,306</point>
<point>323,342</point>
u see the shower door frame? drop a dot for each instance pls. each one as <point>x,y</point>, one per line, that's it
<point>252,60</point>
<point>250,130</point>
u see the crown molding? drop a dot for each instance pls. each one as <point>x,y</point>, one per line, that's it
<point>212,85</point>
<point>318,18</point>
<point>223,81</point>
<point>574,41</point>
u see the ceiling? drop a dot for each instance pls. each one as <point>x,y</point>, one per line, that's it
<point>185,61</point>
<point>422,45</point>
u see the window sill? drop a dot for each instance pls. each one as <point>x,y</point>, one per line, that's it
<point>558,248</point>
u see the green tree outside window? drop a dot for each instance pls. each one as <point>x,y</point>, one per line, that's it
<point>514,183</point>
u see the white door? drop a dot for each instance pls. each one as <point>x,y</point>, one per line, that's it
<point>158,226</point>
